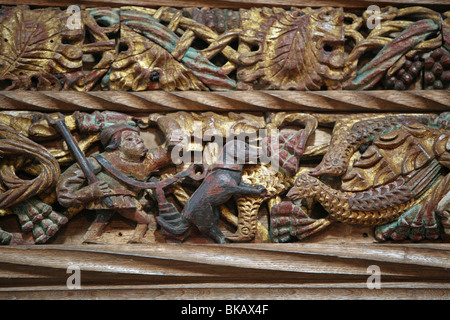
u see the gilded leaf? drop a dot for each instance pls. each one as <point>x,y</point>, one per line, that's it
<point>154,57</point>
<point>36,45</point>
<point>298,50</point>
<point>144,65</point>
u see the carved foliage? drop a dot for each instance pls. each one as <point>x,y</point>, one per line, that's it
<point>211,49</point>
<point>37,50</point>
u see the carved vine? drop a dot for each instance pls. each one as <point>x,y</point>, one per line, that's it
<point>137,49</point>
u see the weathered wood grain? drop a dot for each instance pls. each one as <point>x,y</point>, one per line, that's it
<point>156,101</point>
<point>165,271</point>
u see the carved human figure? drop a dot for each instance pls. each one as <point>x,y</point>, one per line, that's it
<point>126,153</point>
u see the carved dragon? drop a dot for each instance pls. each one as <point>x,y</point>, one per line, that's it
<point>393,174</point>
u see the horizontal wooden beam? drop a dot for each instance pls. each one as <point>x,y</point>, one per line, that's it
<point>160,101</point>
<point>254,270</point>
<point>362,4</point>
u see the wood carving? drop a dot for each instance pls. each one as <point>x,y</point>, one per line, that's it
<point>25,197</point>
<point>221,50</point>
<point>38,50</point>
<point>391,169</point>
<point>299,49</point>
<point>286,153</point>
<point>385,171</point>
<point>379,170</point>
<point>392,48</point>
<point>223,182</point>
<point>223,149</point>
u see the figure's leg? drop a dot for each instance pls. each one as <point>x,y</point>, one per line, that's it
<point>289,220</point>
<point>214,233</point>
<point>139,216</point>
<point>139,233</point>
<point>96,228</point>
<point>211,229</point>
<point>143,221</point>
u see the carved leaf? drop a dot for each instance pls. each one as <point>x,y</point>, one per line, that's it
<point>144,66</point>
<point>152,56</point>
<point>32,48</point>
<point>296,50</point>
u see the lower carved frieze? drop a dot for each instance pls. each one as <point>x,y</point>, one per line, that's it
<point>223,177</point>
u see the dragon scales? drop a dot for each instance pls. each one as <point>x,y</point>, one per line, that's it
<point>391,173</point>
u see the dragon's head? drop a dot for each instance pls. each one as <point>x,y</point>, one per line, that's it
<point>304,187</point>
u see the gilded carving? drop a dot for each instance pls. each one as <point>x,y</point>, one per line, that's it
<point>228,175</point>
<point>260,174</point>
<point>136,49</point>
<point>392,173</point>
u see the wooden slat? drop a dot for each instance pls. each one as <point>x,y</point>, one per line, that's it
<point>392,292</point>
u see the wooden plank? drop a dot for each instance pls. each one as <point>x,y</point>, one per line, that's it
<point>404,291</point>
<point>290,271</point>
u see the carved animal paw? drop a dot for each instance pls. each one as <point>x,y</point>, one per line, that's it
<point>289,220</point>
<point>410,225</point>
<point>5,237</point>
<point>39,219</point>
<point>262,191</point>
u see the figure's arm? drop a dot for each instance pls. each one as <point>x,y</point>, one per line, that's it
<point>72,190</point>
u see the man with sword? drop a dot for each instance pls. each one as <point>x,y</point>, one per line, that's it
<point>116,179</point>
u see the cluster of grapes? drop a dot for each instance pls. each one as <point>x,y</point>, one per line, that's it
<point>437,70</point>
<point>406,75</point>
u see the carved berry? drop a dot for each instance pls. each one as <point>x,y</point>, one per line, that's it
<point>445,77</point>
<point>429,78</point>
<point>437,69</point>
<point>437,54</point>
<point>428,63</point>
<point>445,61</point>
<point>438,84</point>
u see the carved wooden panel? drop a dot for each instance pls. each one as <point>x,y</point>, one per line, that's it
<point>224,149</point>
